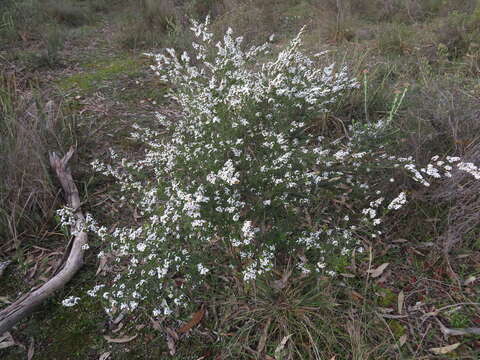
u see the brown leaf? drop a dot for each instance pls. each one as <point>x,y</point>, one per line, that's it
<point>281,283</point>
<point>171,345</point>
<point>23,35</point>
<point>5,300</point>
<point>378,271</point>
<point>6,340</point>
<point>118,328</point>
<point>6,344</point>
<point>445,349</point>
<point>263,338</point>
<point>155,324</point>
<point>196,318</point>
<point>121,340</point>
<point>31,349</point>
<point>357,296</point>
<point>103,262</point>
<point>282,344</point>
<point>105,355</point>
<point>401,299</point>
<point>172,333</point>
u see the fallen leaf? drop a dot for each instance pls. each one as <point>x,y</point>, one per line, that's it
<point>105,356</point>
<point>171,345</point>
<point>5,300</point>
<point>263,338</point>
<point>3,266</point>
<point>156,324</point>
<point>280,346</point>
<point>445,349</point>
<point>101,266</point>
<point>378,271</point>
<point>403,339</point>
<point>6,340</point>
<point>470,280</point>
<point>6,344</point>
<point>196,318</point>
<point>23,35</point>
<point>119,318</point>
<point>356,295</point>
<point>384,277</point>
<point>401,299</point>
<point>31,349</point>
<point>121,340</point>
<point>280,284</point>
<point>172,333</point>
<point>119,327</point>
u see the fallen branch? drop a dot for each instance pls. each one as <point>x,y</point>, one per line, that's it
<point>457,332</point>
<point>71,264</point>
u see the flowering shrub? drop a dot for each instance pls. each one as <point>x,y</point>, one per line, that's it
<point>242,182</point>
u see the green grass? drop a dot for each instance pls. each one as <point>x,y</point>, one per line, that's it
<point>98,75</point>
<point>401,50</point>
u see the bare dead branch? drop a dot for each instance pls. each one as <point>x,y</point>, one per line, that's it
<point>457,332</point>
<point>26,304</point>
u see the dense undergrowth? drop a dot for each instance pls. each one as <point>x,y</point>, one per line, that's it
<point>263,197</point>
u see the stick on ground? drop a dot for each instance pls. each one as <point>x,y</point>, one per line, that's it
<point>26,304</point>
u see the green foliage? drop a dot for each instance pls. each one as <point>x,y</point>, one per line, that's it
<point>52,42</point>
<point>98,74</point>
<point>395,39</point>
<point>67,13</point>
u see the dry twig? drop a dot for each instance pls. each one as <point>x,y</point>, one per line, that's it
<point>29,301</point>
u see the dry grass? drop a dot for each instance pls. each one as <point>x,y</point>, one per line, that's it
<point>463,193</point>
<point>398,42</point>
<point>27,193</point>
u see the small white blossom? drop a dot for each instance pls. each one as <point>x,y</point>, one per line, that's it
<point>70,301</point>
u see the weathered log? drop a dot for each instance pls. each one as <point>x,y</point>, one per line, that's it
<point>26,304</point>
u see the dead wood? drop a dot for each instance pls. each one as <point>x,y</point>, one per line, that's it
<point>26,304</point>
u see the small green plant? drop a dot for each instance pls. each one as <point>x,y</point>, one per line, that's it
<point>157,23</point>
<point>52,45</point>
<point>394,39</point>
<point>67,13</point>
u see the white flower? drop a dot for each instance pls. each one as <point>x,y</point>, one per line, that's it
<point>398,202</point>
<point>202,269</point>
<point>70,301</point>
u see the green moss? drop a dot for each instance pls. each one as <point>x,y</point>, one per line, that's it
<point>397,328</point>
<point>73,332</point>
<point>388,298</point>
<point>99,74</point>
<point>459,320</point>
